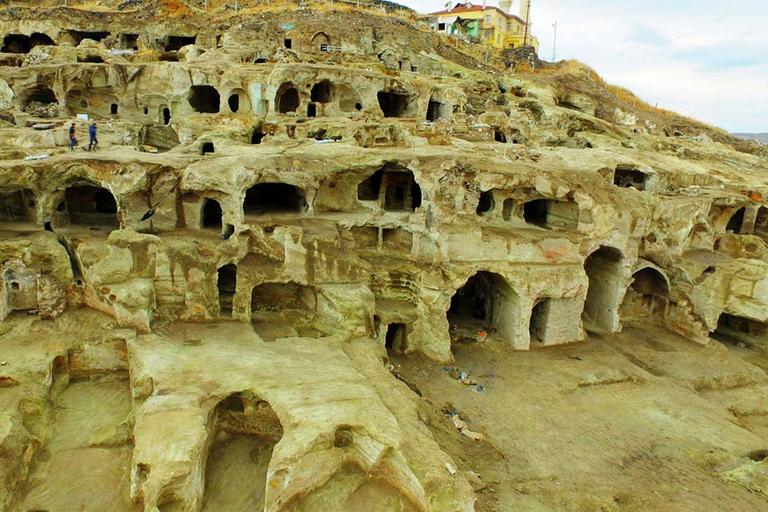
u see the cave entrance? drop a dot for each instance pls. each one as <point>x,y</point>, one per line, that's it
<point>647,296</point>
<point>19,43</point>
<point>17,206</point>
<point>176,43</point>
<point>165,115</point>
<point>737,221</point>
<point>90,206</point>
<point>78,36</point>
<point>212,215</point>
<point>548,213</point>
<point>402,192</point>
<point>227,285</point>
<point>288,100</point>
<point>540,320</point>
<point>244,434</point>
<point>486,302</point>
<point>204,99</point>
<point>604,269</point>
<point>761,223</point>
<point>735,330</point>
<point>257,136</point>
<point>436,111</point>
<point>322,92</point>
<point>396,339</point>
<point>629,178</point>
<point>207,148</point>
<point>393,104</point>
<point>266,198</point>
<point>486,203</point>
<point>234,102</point>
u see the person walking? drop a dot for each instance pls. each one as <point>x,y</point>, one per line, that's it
<point>92,134</point>
<point>72,137</point>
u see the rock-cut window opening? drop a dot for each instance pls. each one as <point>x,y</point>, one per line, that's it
<point>403,193</point>
<point>266,198</point>
<point>90,206</point>
<point>176,43</point>
<point>166,115</point>
<point>436,111</point>
<point>288,100</point>
<point>234,102</point>
<point>393,104</point>
<point>322,92</point>
<point>212,214</point>
<point>486,203</point>
<point>737,221</point>
<point>396,338</point>
<point>207,148</point>
<point>734,330</point>
<point>629,178</point>
<point>551,213</point>
<point>204,99</point>
<point>18,43</point>
<point>227,285</point>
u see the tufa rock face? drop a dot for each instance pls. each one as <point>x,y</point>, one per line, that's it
<point>278,203</point>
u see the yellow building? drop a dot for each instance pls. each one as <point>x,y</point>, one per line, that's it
<point>488,24</point>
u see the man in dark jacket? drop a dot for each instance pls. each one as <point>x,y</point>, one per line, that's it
<point>92,133</point>
<point>72,138</point>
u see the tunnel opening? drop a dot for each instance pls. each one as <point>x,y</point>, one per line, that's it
<point>322,92</point>
<point>647,296</point>
<point>204,99</point>
<point>396,340</point>
<point>499,136</point>
<point>19,43</point>
<point>369,189</point>
<point>234,102</point>
<point>113,109</point>
<point>227,286</point>
<point>78,36</point>
<point>740,331</point>
<point>486,203</point>
<point>736,222</point>
<point>393,104</point>
<point>288,100</point>
<point>548,213</point>
<point>487,303</point>
<point>90,206</point>
<point>604,271</point>
<point>402,192</point>
<point>267,198</point>
<point>437,111</point>
<point>91,59</point>
<point>244,433</point>
<point>207,148</point>
<point>129,42</point>
<point>176,43</point>
<point>17,206</point>
<point>212,215</point>
<point>312,111</point>
<point>540,320</point>
<point>165,115</point>
<point>629,178</point>
<point>257,136</point>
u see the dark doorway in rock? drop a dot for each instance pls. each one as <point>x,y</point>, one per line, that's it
<point>288,43</point>
<point>499,136</point>
<point>393,104</point>
<point>539,321</point>
<point>396,339</point>
<point>629,178</point>
<point>737,221</point>
<point>436,111</point>
<point>227,285</point>
<point>176,43</point>
<point>322,92</point>
<point>257,136</point>
<point>245,432</point>
<point>166,114</point>
<point>17,206</point>
<point>604,269</point>
<point>234,102</point>
<point>212,214</point>
<point>507,209</point>
<point>740,331</point>
<point>486,203</point>
<point>90,206</point>
<point>485,302</point>
<point>647,296</point>
<point>369,189</point>
<point>266,198</point>
<point>207,148</point>
<point>204,99</point>
<point>288,100</point>
<point>403,193</point>
<point>311,110</point>
<point>551,213</point>
<point>113,109</point>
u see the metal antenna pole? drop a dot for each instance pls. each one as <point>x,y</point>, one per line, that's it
<point>554,45</point>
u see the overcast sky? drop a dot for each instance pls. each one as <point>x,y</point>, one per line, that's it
<point>702,58</point>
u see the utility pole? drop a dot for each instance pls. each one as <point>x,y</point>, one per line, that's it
<point>554,45</point>
<point>527,21</point>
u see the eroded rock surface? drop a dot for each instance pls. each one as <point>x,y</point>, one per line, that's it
<point>202,312</point>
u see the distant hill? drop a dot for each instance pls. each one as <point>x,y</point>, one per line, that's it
<point>760,137</point>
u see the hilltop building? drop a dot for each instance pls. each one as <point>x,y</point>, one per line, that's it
<point>487,24</point>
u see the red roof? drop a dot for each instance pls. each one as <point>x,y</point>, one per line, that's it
<point>459,8</point>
